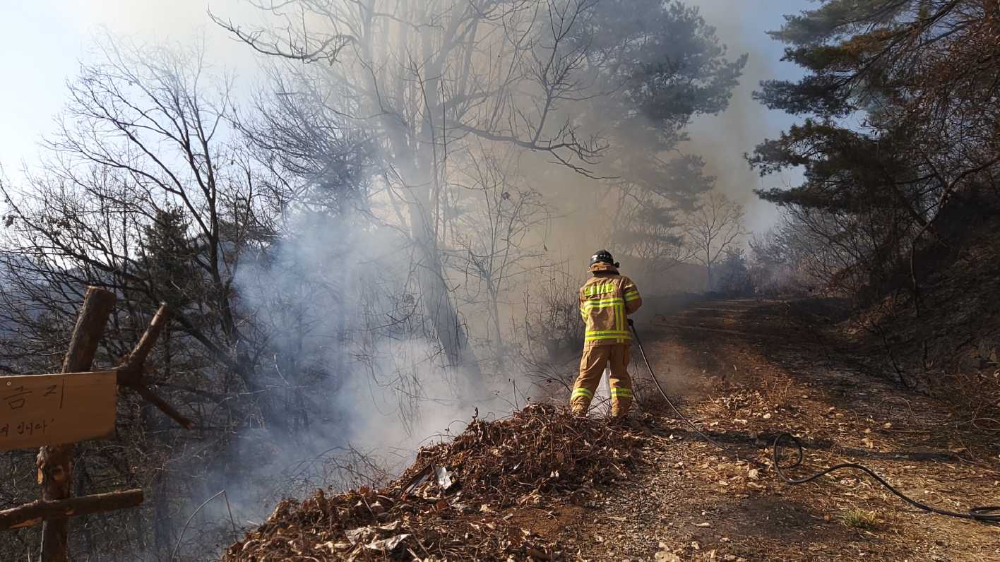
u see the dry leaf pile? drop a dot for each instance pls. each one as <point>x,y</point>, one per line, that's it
<point>450,504</point>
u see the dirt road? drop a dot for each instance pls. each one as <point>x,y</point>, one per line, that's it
<point>746,371</point>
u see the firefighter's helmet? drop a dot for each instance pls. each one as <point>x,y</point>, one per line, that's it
<point>602,256</point>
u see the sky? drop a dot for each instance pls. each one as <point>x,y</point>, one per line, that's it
<point>43,42</point>
<point>724,139</point>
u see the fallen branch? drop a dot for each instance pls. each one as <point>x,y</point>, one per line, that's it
<point>162,404</point>
<point>130,372</point>
<point>222,493</point>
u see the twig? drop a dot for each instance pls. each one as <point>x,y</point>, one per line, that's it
<point>236,536</point>
<point>177,546</point>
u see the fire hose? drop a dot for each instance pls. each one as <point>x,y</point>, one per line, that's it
<point>659,388</point>
<point>985,514</point>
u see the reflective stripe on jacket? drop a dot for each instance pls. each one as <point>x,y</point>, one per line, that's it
<point>606,300</point>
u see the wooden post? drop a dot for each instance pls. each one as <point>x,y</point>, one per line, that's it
<point>55,463</point>
<point>35,512</point>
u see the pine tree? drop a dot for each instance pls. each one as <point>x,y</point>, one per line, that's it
<point>170,259</point>
<point>901,116</point>
<point>919,75</point>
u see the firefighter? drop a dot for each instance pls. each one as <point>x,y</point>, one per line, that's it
<point>606,301</point>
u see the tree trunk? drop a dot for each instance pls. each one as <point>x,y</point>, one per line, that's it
<point>55,464</point>
<point>436,298</point>
<point>161,513</point>
<point>81,477</point>
<point>416,153</point>
<point>162,522</point>
<point>433,281</point>
<point>495,312</point>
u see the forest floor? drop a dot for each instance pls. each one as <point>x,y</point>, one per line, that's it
<point>749,370</point>
<point>744,372</point>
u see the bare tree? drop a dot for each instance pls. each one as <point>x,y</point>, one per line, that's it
<point>712,229</point>
<point>425,77</point>
<point>492,228</point>
<point>398,120</point>
<point>647,228</point>
<point>147,192</point>
<point>428,80</point>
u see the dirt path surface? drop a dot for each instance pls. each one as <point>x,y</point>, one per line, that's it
<point>747,371</point>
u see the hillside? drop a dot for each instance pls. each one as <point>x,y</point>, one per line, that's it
<point>542,486</point>
<point>944,338</point>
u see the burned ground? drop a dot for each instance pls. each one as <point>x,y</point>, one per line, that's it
<point>541,485</point>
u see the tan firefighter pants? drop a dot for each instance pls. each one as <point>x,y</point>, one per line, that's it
<point>592,367</point>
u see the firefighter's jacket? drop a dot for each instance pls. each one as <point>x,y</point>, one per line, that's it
<point>606,300</point>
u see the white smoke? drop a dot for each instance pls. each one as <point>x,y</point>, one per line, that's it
<point>339,299</point>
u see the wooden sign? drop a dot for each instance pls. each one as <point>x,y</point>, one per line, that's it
<point>38,410</point>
